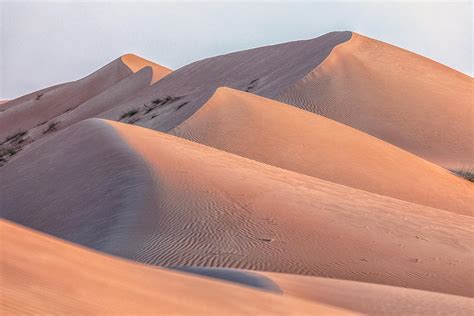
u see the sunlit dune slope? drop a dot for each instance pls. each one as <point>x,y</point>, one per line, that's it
<point>265,71</point>
<point>395,95</point>
<point>136,63</point>
<point>163,200</point>
<point>284,136</point>
<point>365,298</point>
<point>44,275</point>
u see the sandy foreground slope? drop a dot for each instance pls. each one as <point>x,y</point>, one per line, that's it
<point>366,298</point>
<point>98,283</point>
<point>284,136</point>
<point>400,97</point>
<point>34,116</point>
<point>163,200</point>
<point>44,275</point>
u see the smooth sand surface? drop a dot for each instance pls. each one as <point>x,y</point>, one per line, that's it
<point>163,200</point>
<point>365,298</point>
<point>395,95</point>
<point>265,71</point>
<point>284,136</point>
<point>45,275</point>
<point>137,63</point>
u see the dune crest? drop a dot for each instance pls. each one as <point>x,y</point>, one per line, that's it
<point>136,63</point>
<point>395,95</point>
<point>281,135</point>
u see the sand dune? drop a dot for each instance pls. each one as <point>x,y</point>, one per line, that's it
<point>365,298</point>
<point>395,95</point>
<point>274,133</point>
<point>137,63</point>
<point>38,114</point>
<point>61,278</point>
<point>163,200</point>
<point>265,71</point>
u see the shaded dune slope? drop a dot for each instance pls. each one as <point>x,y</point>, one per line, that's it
<point>284,136</point>
<point>400,97</point>
<point>265,71</point>
<point>61,278</point>
<point>163,200</point>
<point>365,298</point>
<point>39,114</point>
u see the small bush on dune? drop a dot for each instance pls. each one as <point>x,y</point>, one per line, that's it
<point>466,173</point>
<point>15,137</point>
<point>51,127</point>
<point>129,113</point>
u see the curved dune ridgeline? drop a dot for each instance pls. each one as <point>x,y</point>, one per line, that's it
<point>281,135</point>
<point>400,97</point>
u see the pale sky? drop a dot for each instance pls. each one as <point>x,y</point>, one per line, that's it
<point>45,43</point>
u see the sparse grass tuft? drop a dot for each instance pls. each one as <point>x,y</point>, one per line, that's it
<point>181,105</point>
<point>129,113</point>
<point>15,137</point>
<point>52,126</point>
<point>466,173</point>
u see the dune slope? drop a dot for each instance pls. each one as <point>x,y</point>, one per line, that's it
<point>37,115</point>
<point>365,298</point>
<point>44,275</point>
<point>400,97</point>
<point>163,200</point>
<point>284,136</point>
<point>265,71</point>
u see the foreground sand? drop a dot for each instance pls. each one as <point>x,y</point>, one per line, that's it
<point>163,200</point>
<point>44,275</point>
<point>403,98</point>
<point>284,136</point>
<point>87,282</point>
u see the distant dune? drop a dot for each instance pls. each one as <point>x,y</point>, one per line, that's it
<point>395,95</point>
<point>162,200</point>
<point>286,137</point>
<point>265,71</point>
<point>61,278</point>
<point>55,108</point>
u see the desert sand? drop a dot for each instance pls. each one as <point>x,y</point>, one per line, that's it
<point>62,278</point>
<point>280,135</point>
<point>162,200</point>
<point>304,177</point>
<point>51,109</point>
<point>365,298</point>
<point>398,96</point>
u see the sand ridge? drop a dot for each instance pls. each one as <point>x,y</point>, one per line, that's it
<point>284,136</point>
<point>395,95</point>
<point>136,63</point>
<point>265,71</point>
<point>44,112</point>
<point>195,205</point>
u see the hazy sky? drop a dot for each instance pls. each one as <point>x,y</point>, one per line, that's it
<point>44,43</point>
